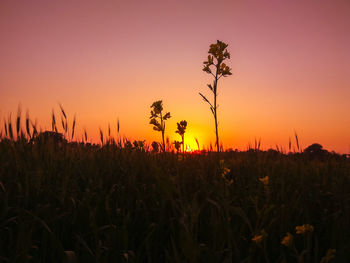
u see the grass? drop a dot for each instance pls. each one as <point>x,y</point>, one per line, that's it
<point>115,202</point>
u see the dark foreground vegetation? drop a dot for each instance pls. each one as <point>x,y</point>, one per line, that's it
<point>73,202</point>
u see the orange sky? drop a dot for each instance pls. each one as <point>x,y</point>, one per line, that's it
<point>105,60</point>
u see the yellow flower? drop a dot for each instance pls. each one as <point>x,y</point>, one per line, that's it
<point>257,239</point>
<point>225,171</point>
<point>264,180</point>
<point>287,240</point>
<point>304,229</point>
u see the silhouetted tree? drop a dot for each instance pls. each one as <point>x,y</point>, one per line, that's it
<point>316,150</point>
<point>217,55</point>
<point>181,129</point>
<point>157,114</point>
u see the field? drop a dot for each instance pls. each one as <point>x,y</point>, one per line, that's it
<point>193,82</point>
<point>119,202</point>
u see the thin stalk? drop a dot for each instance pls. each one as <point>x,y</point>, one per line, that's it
<point>215,107</point>
<point>163,129</point>
<point>183,143</point>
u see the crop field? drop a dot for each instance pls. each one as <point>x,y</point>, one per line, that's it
<point>66,201</point>
<point>209,167</point>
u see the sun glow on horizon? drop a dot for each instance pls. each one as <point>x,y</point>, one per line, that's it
<point>103,61</point>
<point>188,149</point>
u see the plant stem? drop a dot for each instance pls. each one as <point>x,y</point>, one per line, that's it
<point>215,112</point>
<point>183,143</point>
<point>163,129</point>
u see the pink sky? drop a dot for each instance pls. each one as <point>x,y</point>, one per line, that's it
<point>105,60</point>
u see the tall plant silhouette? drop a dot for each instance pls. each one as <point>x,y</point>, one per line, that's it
<point>181,129</point>
<point>216,67</point>
<point>158,119</point>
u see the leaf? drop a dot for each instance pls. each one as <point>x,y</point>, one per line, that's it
<point>62,110</point>
<point>214,203</point>
<point>239,211</point>
<point>47,228</point>
<point>204,98</point>
<point>85,245</point>
<point>206,69</point>
<point>2,187</point>
<point>212,110</point>
<point>167,116</point>
<point>154,122</point>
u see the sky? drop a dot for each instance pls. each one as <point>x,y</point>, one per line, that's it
<point>109,60</point>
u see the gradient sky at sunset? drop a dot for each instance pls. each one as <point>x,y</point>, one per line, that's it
<point>104,60</point>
